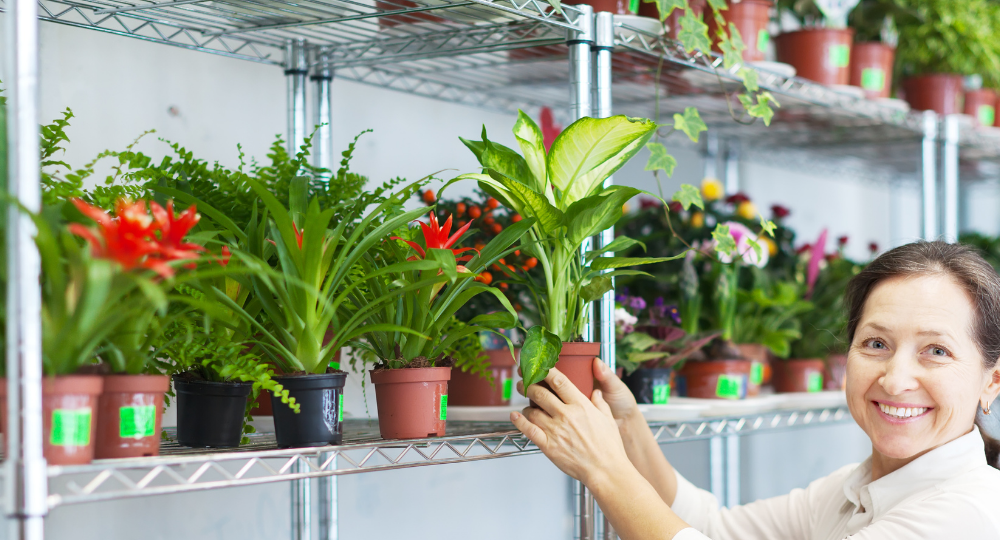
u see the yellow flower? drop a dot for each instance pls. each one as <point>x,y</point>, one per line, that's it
<point>625,208</point>
<point>746,210</point>
<point>697,220</point>
<point>712,189</point>
<point>772,248</point>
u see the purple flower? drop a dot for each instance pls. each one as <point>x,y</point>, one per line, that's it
<point>637,303</point>
<point>658,311</point>
<point>675,315</point>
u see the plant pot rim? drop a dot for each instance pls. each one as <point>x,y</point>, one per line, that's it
<point>816,30</point>
<point>232,388</point>
<point>405,375</point>
<point>312,380</point>
<point>139,384</point>
<point>65,384</point>
<point>580,348</point>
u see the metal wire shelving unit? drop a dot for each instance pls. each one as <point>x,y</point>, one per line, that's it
<point>498,55</point>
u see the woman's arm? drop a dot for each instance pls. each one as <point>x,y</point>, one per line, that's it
<point>640,445</point>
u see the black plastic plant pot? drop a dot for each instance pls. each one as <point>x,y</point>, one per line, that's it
<point>649,386</point>
<point>210,414</point>
<point>318,422</point>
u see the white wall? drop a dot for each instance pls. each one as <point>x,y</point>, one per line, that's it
<point>119,88</point>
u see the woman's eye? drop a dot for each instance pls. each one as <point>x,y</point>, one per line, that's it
<point>938,351</point>
<point>875,344</point>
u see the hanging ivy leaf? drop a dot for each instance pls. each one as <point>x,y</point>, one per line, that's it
<point>659,159</point>
<point>724,241</point>
<point>668,6</point>
<point>690,123</point>
<point>767,226</point>
<point>694,33</point>
<point>750,79</point>
<point>732,47</point>
<point>718,5</point>
<point>689,195</point>
<point>761,107</point>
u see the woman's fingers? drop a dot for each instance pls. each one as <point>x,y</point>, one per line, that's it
<point>618,397</point>
<point>598,400</point>
<point>531,431</point>
<point>564,388</point>
<point>545,399</point>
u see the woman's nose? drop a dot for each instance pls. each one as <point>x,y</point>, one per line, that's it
<point>900,374</point>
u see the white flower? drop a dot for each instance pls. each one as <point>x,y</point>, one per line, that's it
<point>624,317</point>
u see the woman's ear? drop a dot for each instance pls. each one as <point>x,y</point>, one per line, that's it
<point>992,388</point>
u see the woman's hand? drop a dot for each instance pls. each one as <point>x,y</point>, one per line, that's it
<point>579,435</point>
<point>618,397</point>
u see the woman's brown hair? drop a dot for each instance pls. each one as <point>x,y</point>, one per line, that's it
<point>966,266</point>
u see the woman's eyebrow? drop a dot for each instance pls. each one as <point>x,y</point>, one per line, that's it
<point>875,326</point>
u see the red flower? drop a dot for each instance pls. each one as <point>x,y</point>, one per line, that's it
<point>645,203</point>
<point>226,255</point>
<point>780,212</point>
<point>173,228</point>
<point>873,247</point>
<point>436,237</point>
<point>675,207</point>
<point>550,130</point>
<point>803,249</point>
<point>842,241</point>
<point>737,198</point>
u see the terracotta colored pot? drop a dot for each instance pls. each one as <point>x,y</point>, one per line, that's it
<point>939,92</point>
<point>618,7</point>
<point>130,415</point>
<point>412,403</point>
<point>408,18</point>
<point>711,379</point>
<point>69,423</point>
<point>469,389</point>
<point>798,375</point>
<point>871,68</point>
<point>751,18</point>
<point>981,105</point>
<point>996,107</point>
<point>576,361</point>
<point>651,9</point>
<point>818,54</point>
<point>835,374</point>
<point>650,385</point>
<point>759,357</point>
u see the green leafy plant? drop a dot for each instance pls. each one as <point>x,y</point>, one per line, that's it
<point>769,314</point>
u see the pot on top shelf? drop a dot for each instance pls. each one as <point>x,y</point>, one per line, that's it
<point>871,68</point>
<point>981,105</point>
<point>798,375</point>
<point>320,398</point>
<point>130,415</point>
<point>69,411</point>
<point>938,92</point>
<point>469,389</point>
<point>652,10</point>
<point>714,379</point>
<point>760,366</point>
<point>412,402</point>
<point>818,54</point>
<point>210,414</point>
<point>751,18</point>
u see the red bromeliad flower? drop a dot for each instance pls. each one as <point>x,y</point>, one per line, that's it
<point>780,212</point>
<point>550,130</point>
<point>737,198</point>
<point>842,241</point>
<point>131,238</point>
<point>436,237</point>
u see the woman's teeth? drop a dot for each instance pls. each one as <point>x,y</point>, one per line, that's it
<point>902,412</point>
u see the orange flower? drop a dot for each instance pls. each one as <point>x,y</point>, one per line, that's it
<point>173,229</point>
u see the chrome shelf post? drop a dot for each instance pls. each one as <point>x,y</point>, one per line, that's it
<point>296,70</point>
<point>949,166</point>
<point>928,171</point>
<point>322,77</point>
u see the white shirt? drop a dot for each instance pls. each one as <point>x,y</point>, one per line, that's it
<point>949,492</point>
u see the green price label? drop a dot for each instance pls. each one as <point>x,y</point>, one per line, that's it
<point>661,394</point>
<point>815,382</point>
<point>444,407</point>
<point>986,115</point>
<point>340,407</point>
<point>756,373</point>
<point>70,427</point>
<point>729,386</point>
<point>840,56</point>
<point>137,422</point>
<point>508,388</point>
<point>873,79</point>
<point>763,40</point>
<point>633,6</point>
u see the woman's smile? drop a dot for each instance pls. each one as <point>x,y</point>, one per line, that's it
<point>901,413</point>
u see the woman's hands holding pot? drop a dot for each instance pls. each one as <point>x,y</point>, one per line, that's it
<point>618,397</point>
<point>579,435</point>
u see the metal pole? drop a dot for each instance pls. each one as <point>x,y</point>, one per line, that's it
<point>951,187</point>
<point>329,516</point>
<point>581,103</point>
<point>323,111</point>
<point>301,504</point>
<point>296,69</point>
<point>929,173</point>
<point>732,166</point>
<point>26,480</point>
<point>711,154</point>
<point>732,470</point>
<point>717,468</point>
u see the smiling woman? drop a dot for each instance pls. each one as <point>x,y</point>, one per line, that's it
<point>922,371</point>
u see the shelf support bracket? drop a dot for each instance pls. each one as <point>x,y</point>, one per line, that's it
<point>928,168</point>
<point>301,499</point>
<point>322,77</point>
<point>329,516</point>
<point>296,71</point>
<point>26,475</point>
<point>949,166</point>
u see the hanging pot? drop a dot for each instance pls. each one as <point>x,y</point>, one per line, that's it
<point>760,363</point>
<point>650,385</point>
<point>871,68</point>
<point>469,389</point>
<point>412,402</point>
<point>715,379</point>
<point>818,54</point>
<point>130,414</point>
<point>210,414</point>
<point>798,376</point>
<point>321,410</point>
<point>751,18</point>
<point>981,105</point>
<point>652,10</point>
<point>69,423</point>
<point>939,92</point>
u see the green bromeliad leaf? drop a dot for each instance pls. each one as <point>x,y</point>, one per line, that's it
<point>659,159</point>
<point>539,354</point>
<point>690,123</point>
<point>689,196</point>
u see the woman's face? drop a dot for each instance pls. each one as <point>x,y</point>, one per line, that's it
<point>914,373</point>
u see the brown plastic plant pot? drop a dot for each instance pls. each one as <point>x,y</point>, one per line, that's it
<point>938,92</point>
<point>716,379</point>
<point>751,18</point>
<point>576,362</point>
<point>130,415</point>
<point>996,107</point>
<point>760,361</point>
<point>469,389</point>
<point>798,376</point>
<point>69,407</point>
<point>871,68</point>
<point>981,105</point>
<point>412,402</point>
<point>818,54</point>
<point>651,9</point>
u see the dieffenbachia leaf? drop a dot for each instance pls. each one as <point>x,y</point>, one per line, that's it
<point>620,243</point>
<point>529,138</point>
<point>689,196</point>
<point>605,263</point>
<point>724,241</point>
<point>596,288</point>
<point>694,33</point>
<point>539,354</point>
<point>690,123</point>
<point>659,159</point>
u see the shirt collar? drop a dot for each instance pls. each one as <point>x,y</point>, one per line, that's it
<point>942,463</point>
